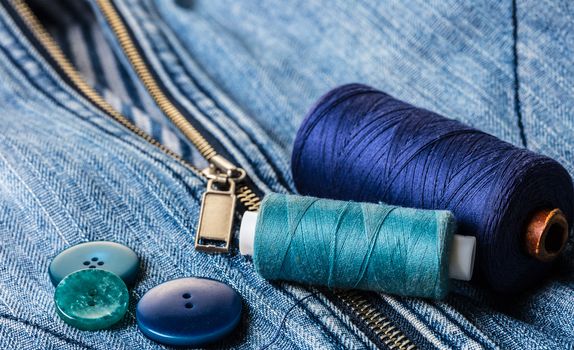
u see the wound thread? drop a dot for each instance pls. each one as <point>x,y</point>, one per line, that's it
<point>358,143</point>
<point>352,245</point>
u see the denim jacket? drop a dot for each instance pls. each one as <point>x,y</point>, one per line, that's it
<point>244,73</point>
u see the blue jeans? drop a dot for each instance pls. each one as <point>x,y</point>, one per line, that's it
<point>247,72</point>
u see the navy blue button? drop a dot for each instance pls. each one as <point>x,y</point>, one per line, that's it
<point>108,256</point>
<point>189,311</point>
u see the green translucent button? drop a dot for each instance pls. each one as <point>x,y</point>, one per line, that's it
<point>91,299</point>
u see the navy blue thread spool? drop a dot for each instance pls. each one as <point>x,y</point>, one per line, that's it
<point>358,143</point>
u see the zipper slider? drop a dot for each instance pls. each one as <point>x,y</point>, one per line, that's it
<point>219,166</point>
<point>218,206</point>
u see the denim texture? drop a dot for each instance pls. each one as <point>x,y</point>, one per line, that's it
<point>248,71</point>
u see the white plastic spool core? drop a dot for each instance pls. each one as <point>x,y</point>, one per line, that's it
<point>247,233</point>
<point>461,260</point>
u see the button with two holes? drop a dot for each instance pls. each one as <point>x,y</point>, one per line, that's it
<point>109,256</point>
<point>189,311</point>
<point>91,299</point>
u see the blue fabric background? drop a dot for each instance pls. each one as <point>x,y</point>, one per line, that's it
<point>249,71</point>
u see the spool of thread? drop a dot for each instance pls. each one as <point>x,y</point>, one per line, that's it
<point>358,143</point>
<point>338,244</point>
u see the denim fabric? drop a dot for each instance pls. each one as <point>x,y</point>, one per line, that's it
<point>70,174</point>
<point>81,38</point>
<point>247,72</point>
<point>502,66</point>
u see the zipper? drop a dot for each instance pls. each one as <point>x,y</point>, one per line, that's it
<point>219,169</point>
<point>217,211</point>
<point>222,176</point>
<point>383,328</point>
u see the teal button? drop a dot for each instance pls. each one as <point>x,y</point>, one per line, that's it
<point>99,255</point>
<point>91,299</point>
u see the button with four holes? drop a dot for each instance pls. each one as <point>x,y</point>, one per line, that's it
<point>91,299</point>
<point>189,311</point>
<point>99,255</point>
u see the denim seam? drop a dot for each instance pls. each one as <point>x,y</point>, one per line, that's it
<point>39,203</point>
<point>343,318</point>
<point>517,102</point>
<point>464,329</point>
<point>325,330</point>
<point>444,338</point>
<point>326,303</point>
<point>257,169</point>
<point>370,16</point>
<point>12,316</point>
<point>306,309</point>
<point>40,328</point>
<point>206,124</point>
<point>119,131</point>
<point>217,105</point>
<point>117,134</point>
<point>293,299</point>
<point>441,334</point>
<point>416,327</point>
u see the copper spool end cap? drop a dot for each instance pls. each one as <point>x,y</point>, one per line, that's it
<point>546,234</point>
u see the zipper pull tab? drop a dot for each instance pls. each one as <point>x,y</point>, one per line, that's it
<point>216,216</point>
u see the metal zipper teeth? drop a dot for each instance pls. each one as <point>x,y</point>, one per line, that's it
<point>248,198</point>
<point>380,325</point>
<point>71,73</point>
<point>118,27</point>
<point>245,194</point>
<point>384,328</point>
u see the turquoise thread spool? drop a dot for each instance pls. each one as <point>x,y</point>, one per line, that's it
<point>349,245</point>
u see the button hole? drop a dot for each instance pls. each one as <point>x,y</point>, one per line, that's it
<point>100,263</point>
<point>94,259</point>
<point>91,303</point>
<point>86,263</point>
<point>93,266</point>
<point>188,305</point>
<point>186,296</point>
